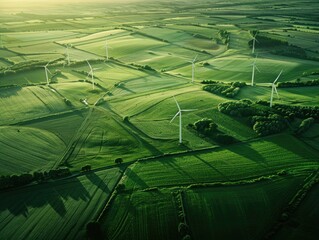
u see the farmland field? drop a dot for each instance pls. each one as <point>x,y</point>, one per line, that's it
<point>140,119</point>
<point>69,203</point>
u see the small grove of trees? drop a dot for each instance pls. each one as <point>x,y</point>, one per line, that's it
<point>243,108</point>
<point>209,129</point>
<point>262,118</point>
<point>266,125</point>
<point>86,168</point>
<point>309,83</point>
<point>224,36</point>
<point>224,89</point>
<point>266,120</point>
<point>118,160</point>
<point>279,47</point>
<point>26,178</point>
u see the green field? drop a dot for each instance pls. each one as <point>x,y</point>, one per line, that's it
<point>69,203</point>
<point>107,103</point>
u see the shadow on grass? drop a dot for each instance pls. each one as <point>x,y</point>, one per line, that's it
<point>225,177</point>
<point>245,150</point>
<point>171,164</point>
<point>97,181</point>
<point>55,194</point>
<point>135,178</point>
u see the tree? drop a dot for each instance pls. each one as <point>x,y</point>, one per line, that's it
<point>118,160</point>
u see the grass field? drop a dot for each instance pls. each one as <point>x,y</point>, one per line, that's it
<point>140,52</point>
<point>239,161</point>
<point>208,209</point>
<point>69,203</point>
<point>24,149</point>
<point>305,219</point>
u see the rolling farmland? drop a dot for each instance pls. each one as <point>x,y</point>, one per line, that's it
<point>136,119</point>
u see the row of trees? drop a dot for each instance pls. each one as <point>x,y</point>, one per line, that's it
<point>295,111</point>
<point>243,108</point>
<point>262,119</point>
<point>266,125</point>
<point>308,83</point>
<point>279,46</point>
<point>265,120</point>
<point>26,178</point>
<point>228,90</point>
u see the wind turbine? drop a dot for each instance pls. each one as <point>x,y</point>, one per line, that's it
<point>274,89</point>
<point>46,72</point>
<point>193,68</point>
<point>1,43</point>
<point>180,118</point>
<point>106,50</point>
<point>91,72</point>
<point>253,72</point>
<point>254,42</point>
<point>67,53</point>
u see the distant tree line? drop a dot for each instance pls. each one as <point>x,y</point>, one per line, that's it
<point>229,90</point>
<point>279,47</point>
<point>296,111</point>
<point>206,127</point>
<point>309,83</point>
<point>26,178</point>
<point>262,120</point>
<point>265,120</point>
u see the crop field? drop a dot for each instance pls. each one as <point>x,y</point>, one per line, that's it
<point>114,115</point>
<point>69,203</point>
<point>239,207</point>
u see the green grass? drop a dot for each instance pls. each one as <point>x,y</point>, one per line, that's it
<point>165,36</point>
<point>25,149</point>
<point>29,103</point>
<point>305,217</point>
<point>70,205</point>
<point>142,215</point>
<point>238,161</point>
<point>225,212</point>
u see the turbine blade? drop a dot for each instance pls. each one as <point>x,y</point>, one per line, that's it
<point>257,68</point>
<point>47,63</point>
<point>276,91</point>
<point>195,58</point>
<point>48,70</point>
<point>278,76</point>
<point>188,110</point>
<point>175,116</point>
<point>177,104</point>
<point>89,64</point>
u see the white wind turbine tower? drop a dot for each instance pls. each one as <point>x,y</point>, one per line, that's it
<point>91,72</point>
<point>254,42</point>
<point>67,53</point>
<point>193,68</point>
<point>1,43</point>
<point>274,89</point>
<point>253,71</point>
<point>46,72</point>
<point>106,50</point>
<point>180,119</point>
